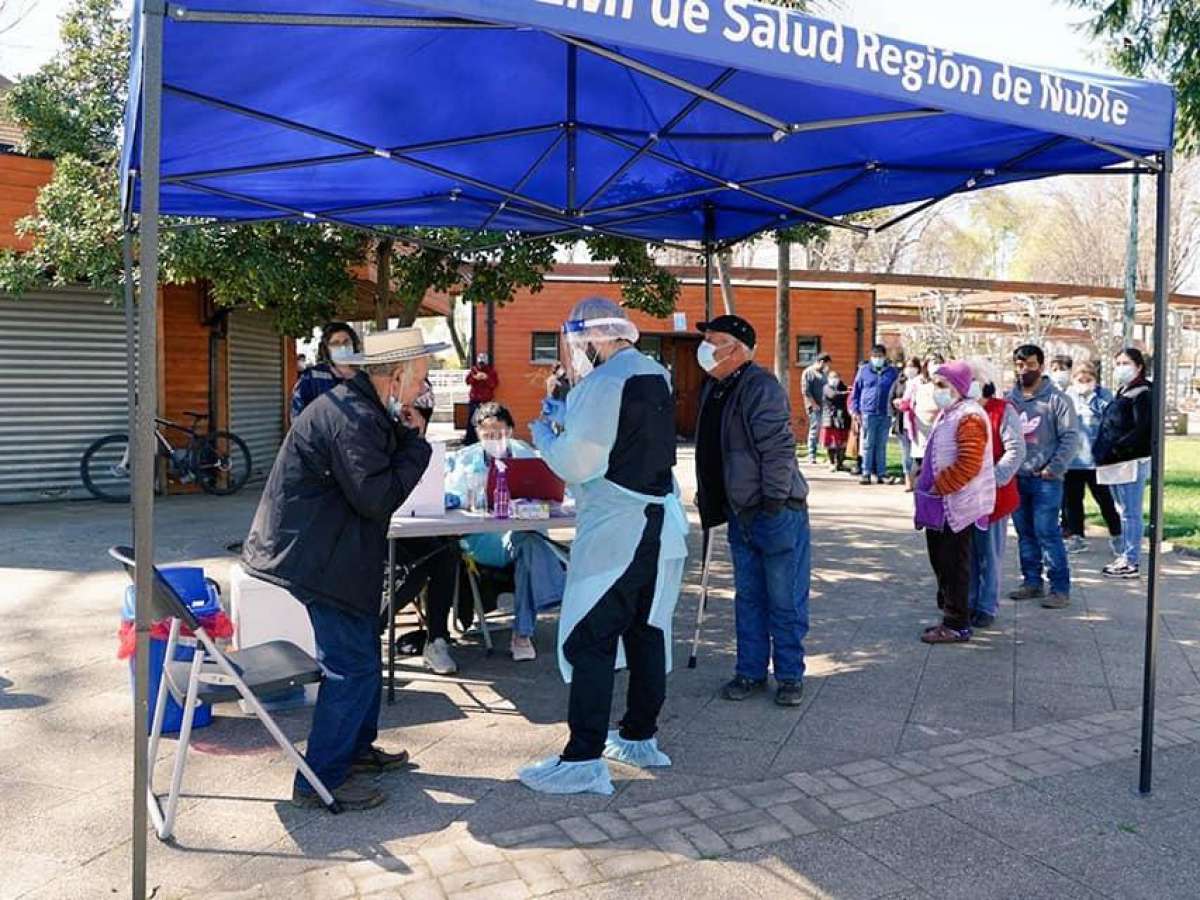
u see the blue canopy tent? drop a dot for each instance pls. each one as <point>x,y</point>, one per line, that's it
<point>699,121</point>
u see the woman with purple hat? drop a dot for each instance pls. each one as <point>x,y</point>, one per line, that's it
<point>956,490</point>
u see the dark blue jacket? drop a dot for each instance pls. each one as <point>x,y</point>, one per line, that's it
<point>872,389</point>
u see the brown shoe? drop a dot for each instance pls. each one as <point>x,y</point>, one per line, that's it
<point>352,794</point>
<point>1056,601</point>
<point>1027,592</point>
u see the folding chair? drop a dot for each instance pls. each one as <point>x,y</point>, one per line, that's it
<point>214,676</point>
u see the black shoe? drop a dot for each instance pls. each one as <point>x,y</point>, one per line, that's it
<point>866,479</point>
<point>742,687</point>
<point>354,794</point>
<point>789,693</point>
<point>375,760</point>
<point>981,620</point>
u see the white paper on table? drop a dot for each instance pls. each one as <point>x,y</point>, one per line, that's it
<point>429,496</point>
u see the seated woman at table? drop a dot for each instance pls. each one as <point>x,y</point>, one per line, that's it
<point>538,572</point>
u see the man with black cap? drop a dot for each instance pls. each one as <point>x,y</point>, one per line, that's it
<point>747,476</point>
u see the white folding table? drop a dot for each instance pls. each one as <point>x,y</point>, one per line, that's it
<point>455,523</point>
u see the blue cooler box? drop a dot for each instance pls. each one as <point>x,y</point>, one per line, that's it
<point>202,599</point>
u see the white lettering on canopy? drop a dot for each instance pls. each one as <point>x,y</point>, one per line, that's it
<point>611,8</point>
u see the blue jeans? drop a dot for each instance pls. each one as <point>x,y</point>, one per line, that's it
<point>346,718</point>
<point>987,563</point>
<point>875,431</point>
<point>814,432</point>
<point>906,458</point>
<point>1128,498</point>
<point>540,580</point>
<point>772,557</point>
<point>1039,534</point>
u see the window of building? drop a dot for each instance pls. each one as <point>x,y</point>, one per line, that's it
<point>807,348</point>
<point>651,345</point>
<point>545,347</point>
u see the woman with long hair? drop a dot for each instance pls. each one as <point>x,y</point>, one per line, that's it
<point>339,342</point>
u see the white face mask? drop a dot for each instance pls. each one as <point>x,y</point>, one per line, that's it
<point>943,397</point>
<point>1084,388</point>
<point>341,353</point>
<point>910,372</point>
<point>706,355</point>
<point>1123,373</point>
<point>976,391</point>
<point>1061,378</point>
<point>496,448</point>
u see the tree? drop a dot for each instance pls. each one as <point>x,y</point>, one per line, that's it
<point>1156,39</point>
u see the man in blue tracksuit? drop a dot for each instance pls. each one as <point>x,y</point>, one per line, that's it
<point>869,404</point>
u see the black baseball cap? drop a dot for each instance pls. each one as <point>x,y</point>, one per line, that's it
<point>731,325</point>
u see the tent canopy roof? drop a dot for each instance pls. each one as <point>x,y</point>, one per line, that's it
<point>561,116</point>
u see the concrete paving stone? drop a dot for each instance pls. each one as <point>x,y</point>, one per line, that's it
<point>1020,817</point>
<point>965,788</point>
<point>833,781</point>
<point>634,863</point>
<point>612,824</point>
<point>768,792</point>
<point>676,845</point>
<point>791,819</point>
<point>582,830</point>
<point>650,810</point>
<point>701,880</point>
<point>547,836</point>
<point>808,784</point>
<point>986,773</point>
<point>1110,793</point>
<point>841,799</point>
<point>651,824</point>
<point>422,890</point>
<point>909,794</point>
<point>506,890</point>
<point>877,777</point>
<point>475,877</point>
<point>1026,879</point>
<point>873,809</point>
<point>573,866</point>
<point>706,841</point>
<point>825,865</point>
<point>728,800</point>
<point>328,884</point>
<point>540,876</point>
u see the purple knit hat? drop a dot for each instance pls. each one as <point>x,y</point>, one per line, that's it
<point>958,373</point>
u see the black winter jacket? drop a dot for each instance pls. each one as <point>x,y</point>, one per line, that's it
<point>758,448</point>
<point>321,526</point>
<point>1125,425</point>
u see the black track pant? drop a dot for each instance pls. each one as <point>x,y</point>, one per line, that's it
<point>950,557</point>
<point>591,649</point>
<point>1074,484</point>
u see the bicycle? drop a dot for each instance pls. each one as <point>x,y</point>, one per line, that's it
<point>218,461</point>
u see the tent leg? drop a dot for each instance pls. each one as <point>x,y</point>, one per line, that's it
<point>142,438</point>
<point>130,338</point>
<point>1158,445</point>
<point>708,282</point>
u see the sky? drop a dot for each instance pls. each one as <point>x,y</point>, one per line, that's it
<point>1037,32</point>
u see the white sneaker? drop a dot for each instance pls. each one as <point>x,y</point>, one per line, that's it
<point>522,649</point>
<point>438,659</point>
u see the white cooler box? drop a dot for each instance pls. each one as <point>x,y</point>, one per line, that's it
<point>263,612</point>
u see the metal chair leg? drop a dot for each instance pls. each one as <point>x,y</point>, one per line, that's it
<point>181,750</point>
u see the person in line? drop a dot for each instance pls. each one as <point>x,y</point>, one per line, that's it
<point>920,403</point>
<point>955,495</point>
<point>613,442</point>
<point>812,385</point>
<point>301,362</point>
<point>872,388</point>
<point>903,418</point>
<point>747,476</point>
<point>339,342</point>
<point>835,421</point>
<point>1123,446</point>
<point>854,439</point>
<point>1090,400</point>
<point>1060,371</point>
<point>483,381</point>
<point>1051,435</point>
<point>320,531</point>
<point>536,569</point>
<point>1008,452</point>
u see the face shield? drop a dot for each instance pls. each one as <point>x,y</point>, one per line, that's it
<point>585,342</point>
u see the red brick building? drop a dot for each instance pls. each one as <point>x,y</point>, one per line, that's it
<point>524,340</point>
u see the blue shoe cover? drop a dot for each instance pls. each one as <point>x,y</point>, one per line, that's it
<point>553,776</point>
<point>643,754</point>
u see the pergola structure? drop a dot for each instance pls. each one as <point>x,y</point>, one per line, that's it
<point>692,121</point>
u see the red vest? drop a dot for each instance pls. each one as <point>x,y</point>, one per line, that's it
<point>1007,498</point>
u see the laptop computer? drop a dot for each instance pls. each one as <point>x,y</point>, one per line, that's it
<point>528,479</point>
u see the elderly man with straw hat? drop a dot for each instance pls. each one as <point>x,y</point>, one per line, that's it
<point>320,531</point>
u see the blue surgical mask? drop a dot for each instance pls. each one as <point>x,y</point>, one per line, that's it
<point>877,362</point>
<point>943,397</point>
<point>706,355</point>
<point>341,353</point>
<point>393,407</point>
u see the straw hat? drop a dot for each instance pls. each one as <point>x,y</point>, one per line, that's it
<point>397,345</point>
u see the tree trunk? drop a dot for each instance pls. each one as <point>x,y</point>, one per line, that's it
<point>783,277</point>
<point>724,261</point>
<point>455,338</point>
<point>383,282</point>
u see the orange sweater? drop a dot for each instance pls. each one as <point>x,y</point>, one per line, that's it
<point>971,438</point>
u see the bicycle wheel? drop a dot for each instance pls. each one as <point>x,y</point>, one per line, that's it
<point>222,463</point>
<point>105,468</point>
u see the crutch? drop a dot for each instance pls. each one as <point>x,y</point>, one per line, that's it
<point>707,540</point>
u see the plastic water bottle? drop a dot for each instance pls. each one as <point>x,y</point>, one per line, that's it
<point>501,502</point>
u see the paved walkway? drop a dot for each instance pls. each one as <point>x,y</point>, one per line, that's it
<point>1004,767</point>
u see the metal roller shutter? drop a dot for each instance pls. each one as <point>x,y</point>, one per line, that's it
<point>62,385</point>
<point>256,387</point>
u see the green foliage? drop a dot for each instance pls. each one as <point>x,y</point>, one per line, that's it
<point>1156,39</point>
<point>804,234</point>
<point>644,286</point>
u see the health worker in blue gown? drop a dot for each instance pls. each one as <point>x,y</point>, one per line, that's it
<point>613,441</point>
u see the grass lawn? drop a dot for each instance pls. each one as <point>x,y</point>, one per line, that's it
<point>1181,515</point>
